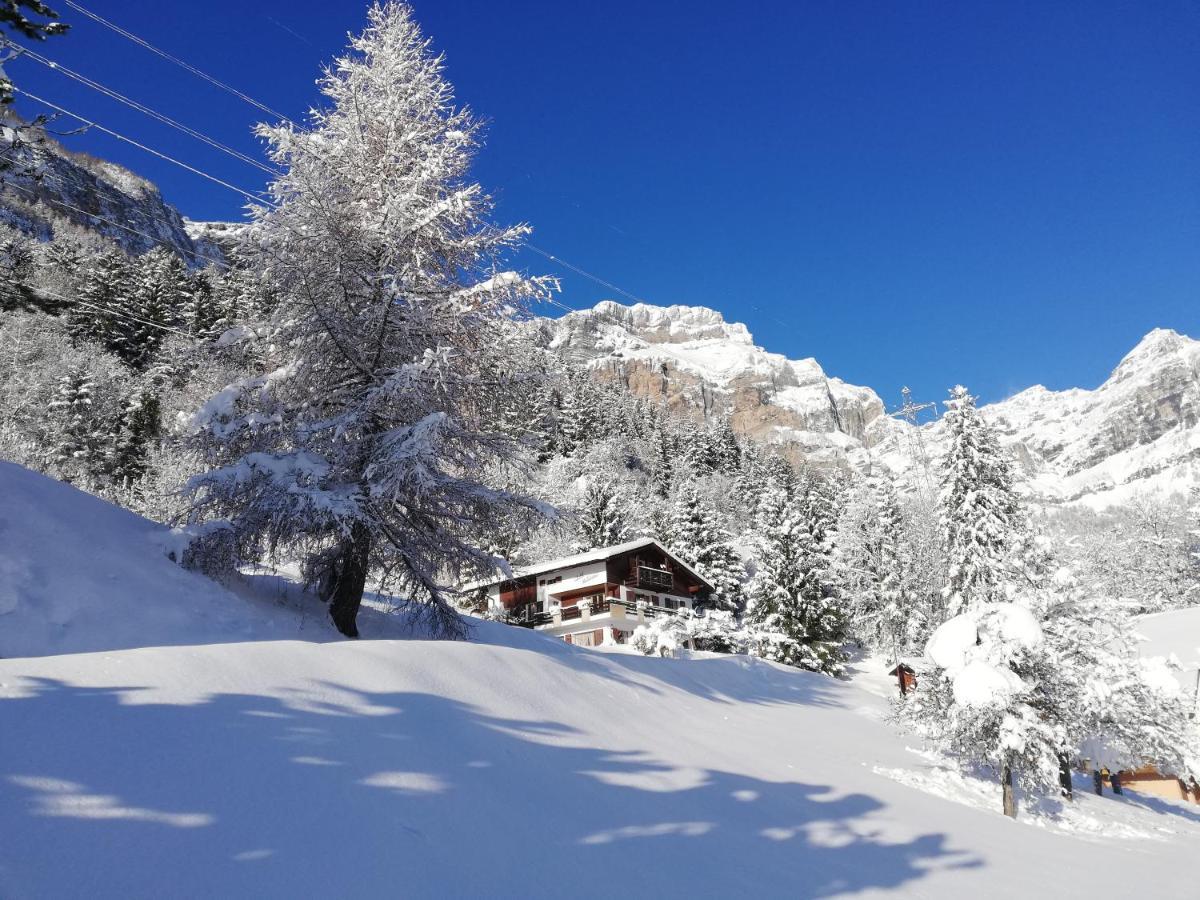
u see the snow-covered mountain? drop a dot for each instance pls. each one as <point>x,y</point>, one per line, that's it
<point>96,196</point>
<point>1140,429</point>
<point>700,365</point>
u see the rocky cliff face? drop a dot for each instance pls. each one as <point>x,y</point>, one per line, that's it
<point>97,197</point>
<point>1139,430</point>
<point>701,366</point>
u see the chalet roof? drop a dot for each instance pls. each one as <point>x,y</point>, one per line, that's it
<point>914,664</point>
<point>596,555</point>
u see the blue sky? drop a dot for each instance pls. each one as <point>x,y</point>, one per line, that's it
<point>919,193</point>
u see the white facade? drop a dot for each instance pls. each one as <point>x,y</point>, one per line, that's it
<point>561,603</point>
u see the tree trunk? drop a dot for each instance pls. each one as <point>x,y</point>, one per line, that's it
<point>352,579</point>
<point>1098,783</point>
<point>1115,780</point>
<point>1010,798</point>
<point>1064,776</point>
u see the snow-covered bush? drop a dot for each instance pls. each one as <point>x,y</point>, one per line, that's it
<point>713,630</point>
<point>663,635</point>
<point>210,548</point>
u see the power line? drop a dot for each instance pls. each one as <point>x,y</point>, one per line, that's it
<point>225,184</point>
<point>118,314</point>
<point>142,108</point>
<point>157,241</point>
<point>584,273</point>
<point>177,61</point>
<point>264,108</point>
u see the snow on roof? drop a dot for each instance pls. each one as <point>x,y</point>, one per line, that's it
<point>595,555</point>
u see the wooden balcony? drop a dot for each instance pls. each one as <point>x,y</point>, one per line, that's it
<point>647,578</point>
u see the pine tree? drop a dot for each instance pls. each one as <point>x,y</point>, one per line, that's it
<point>160,290</point>
<point>201,310</point>
<point>795,615</point>
<point>139,427</point>
<point>877,562</point>
<point>77,450</point>
<point>979,507</point>
<point>697,536</point>
<point>663,453</point>
<point>980,700</point>
<point>601,517</point>
<point>104,298</point>
<point>580,413</point>
<point>369,449</point>
<point>1028,684</point>
<point>1106,700</point>
<point>727,451</point>
<point>697,451</point>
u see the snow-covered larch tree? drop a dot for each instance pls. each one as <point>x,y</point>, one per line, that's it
<point>367,450</point>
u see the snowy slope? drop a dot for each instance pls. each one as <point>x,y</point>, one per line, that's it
<point>510,765</point>
<point>79,574</point>
<point>1139,430</point>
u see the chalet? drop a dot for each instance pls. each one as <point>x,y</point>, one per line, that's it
<point>599,596</point>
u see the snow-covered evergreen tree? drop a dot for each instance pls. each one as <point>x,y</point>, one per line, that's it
<point>979,506</point>
<point>78,448</point>
<point>580,420</point>
<point>664,450</point>
<point>1029,685</point>
<point>1116,710</point>
<point>601,517</point>
<point>160,287</point>
<point>699,538</point>
<point>727,449</point>
<point>104,295</point>
<point>980,700</point>
<point>368,448</point>
<point>795,615</point>
<point>698,450</point>
<point>139,427</point>
<point>877,569</point>
<point>202,311</point>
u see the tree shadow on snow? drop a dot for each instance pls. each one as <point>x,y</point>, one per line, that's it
<point>103,794</point>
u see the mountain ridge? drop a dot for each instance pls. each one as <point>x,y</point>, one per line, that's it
<point>1139,429</point>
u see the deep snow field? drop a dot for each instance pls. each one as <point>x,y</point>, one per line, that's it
<point>219,744</point>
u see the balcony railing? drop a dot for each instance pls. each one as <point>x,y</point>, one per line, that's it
<point>654,579</point>
<point>598,605</point>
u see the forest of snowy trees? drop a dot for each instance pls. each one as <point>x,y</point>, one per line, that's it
<point>354,390</point>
